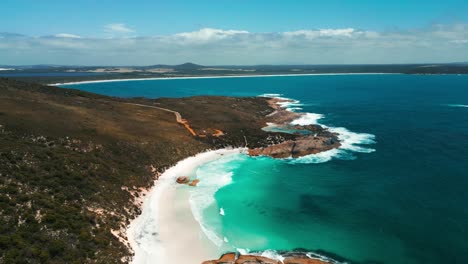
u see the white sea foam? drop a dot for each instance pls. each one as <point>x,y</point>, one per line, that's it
<point>243,251</point>
<point>315,158</point>
<point>213,176</point>
<point>272,254</point>
<point>295,108</point>
<point>457,105</point>
<point>307,119</point>
<point>271,95</point>
<point>350,141</point>
<point>288,103</point>
<point>143,231</point>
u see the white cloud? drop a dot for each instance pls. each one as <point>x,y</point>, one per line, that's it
<point>310,34</point>
<point>209,34</point>
<point>66,35</point>
<point>459,41</point>
<point>440,43</point>
<point>118,28</point>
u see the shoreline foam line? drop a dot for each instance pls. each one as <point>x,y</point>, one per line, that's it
<point>149,235</point>
<point>218,77</point>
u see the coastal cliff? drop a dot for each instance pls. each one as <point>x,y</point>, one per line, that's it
<point>76,165</point>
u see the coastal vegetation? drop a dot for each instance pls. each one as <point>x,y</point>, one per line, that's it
<point>74,165</point>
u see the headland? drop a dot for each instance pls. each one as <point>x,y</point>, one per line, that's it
<point>110,153</point>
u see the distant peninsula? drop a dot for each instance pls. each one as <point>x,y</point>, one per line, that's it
<point>53,74</point>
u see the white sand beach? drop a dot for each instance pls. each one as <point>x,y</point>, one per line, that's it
<point>166,231</point>
<point>214,77</point>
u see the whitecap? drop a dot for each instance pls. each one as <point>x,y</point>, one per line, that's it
<point>270,95</point>
<point>307,119</point>
<point>457,105</point>
<point>287,103</point>
<point>350,141</point>
<point>315,158</point>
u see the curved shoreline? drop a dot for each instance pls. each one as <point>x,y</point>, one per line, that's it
<point>166,224</point>
<point>218,77</point>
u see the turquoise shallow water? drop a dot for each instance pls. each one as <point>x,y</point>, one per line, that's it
<point>406,202</point>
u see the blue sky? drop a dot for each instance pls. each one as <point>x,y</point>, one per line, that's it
<point>74,32</point>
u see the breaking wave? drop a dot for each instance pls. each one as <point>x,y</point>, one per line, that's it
<point>213,176</point>
<point>350,141</point>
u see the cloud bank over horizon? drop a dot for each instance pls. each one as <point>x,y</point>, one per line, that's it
<point>121,45</point>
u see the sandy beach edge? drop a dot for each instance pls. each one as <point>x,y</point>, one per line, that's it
<point>166,231</point>
<point>217,77</point>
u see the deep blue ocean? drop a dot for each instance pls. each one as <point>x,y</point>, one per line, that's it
<point>406,202</point>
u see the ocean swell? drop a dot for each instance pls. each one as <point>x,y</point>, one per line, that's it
<point>457,105</point>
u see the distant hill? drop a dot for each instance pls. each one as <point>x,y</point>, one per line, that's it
<point>188,66</point>
<point>184,66</point>
<point>460,63</point>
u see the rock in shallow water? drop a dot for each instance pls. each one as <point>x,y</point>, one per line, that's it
<point>194,182</point>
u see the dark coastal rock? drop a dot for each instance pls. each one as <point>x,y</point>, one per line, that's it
<point>297,258</point>
<point>183,180</point>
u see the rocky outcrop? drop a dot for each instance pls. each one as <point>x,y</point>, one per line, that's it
<point>186,180</point>
<point>296,258</point>
<point>308,139</point>
<point>183,180</point>
<point>297,148</point>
